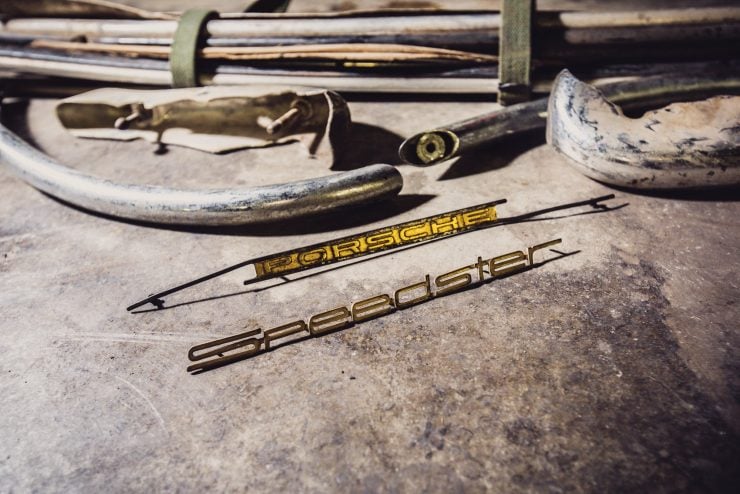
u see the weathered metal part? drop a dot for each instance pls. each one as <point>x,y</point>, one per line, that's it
<point>127,71</point>
<point>200,206</point>
<point>351,247</point>
<point>217,353</point>
<point>265,25</point>
<point>368,23</point>
<point>683,145</point>
<point>344,52</point>
<point>422,230</point>
<point>150,72</point>
<point>213,119</point>
<point>696,37</point>
<point>437,145</point>
<point>675,44</point>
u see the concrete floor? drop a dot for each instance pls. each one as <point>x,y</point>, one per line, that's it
<point>611,370</point>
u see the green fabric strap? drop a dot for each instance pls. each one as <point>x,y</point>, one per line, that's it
<point>184,51</point>
<point>515,51</point>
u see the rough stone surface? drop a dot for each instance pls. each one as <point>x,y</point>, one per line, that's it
<point>614,369</point>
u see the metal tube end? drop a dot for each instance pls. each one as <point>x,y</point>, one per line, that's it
<point>429,148</point>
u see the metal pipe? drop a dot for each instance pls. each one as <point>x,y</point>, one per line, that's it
<point>472,80</point>
<point>444,143</point>
<point>367,23</point>
<point>124,70</point>
<point>123,73</point>
<point>202,206</point>
<point>259,26</point>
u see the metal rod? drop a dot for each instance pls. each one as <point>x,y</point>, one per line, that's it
<point>473,80</point>
<point>367,24</point>
<point>259,26</point>
<point>122,70</point>
<point>200,206</point>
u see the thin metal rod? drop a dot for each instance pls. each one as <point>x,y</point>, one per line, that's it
<point>156,299</point>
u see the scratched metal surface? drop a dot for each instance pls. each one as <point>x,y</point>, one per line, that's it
<point>614,369</point>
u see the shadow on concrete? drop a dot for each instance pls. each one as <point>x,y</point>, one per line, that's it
<point>13,115</point>
<point>494,155</point>
<point>730,193</point>
<point>349,217</point>
<point>367,145</point>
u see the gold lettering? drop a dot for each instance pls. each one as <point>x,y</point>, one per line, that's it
<point>283,332</point>
<point>329,320</point>
<point>480,265</point>
<point>426,284</point>
<point>348,248</point>
<point>453,281</point>
<point>247,344</point>
<point>532,250</point>
<point>273,265</point>
<point>379,240</point>
<point>372,307</point>
<point>224,345</point>
<point>311,257</point>
<point>497,263</point>
<point>444,225</point>
<point>479,216</point>
<point>415,232</point>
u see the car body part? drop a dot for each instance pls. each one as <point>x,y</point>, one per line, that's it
<point>444,143</point>
<point>213,119</point>
<point>350,247</point>
<point>200,206</point>
<point>683,145</point>
<point>422,230</point>
<point>252,343</point>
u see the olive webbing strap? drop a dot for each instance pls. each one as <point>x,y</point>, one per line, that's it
<point>189,37</point>
<point>185,44</point>
<point>515,51</point>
